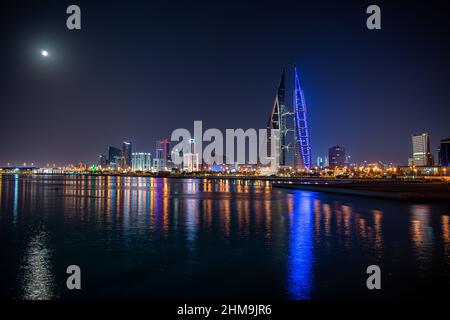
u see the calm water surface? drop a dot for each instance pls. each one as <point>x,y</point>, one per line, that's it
<point>188,238</point>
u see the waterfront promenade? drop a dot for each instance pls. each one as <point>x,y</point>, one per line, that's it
<point>401,190</point>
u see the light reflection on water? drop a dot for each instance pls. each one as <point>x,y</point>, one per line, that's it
<point>16,198</point>
<point>193,231</point>
<point>422,235</point>
<point>445,222</point>
<point>37,279</point>
<point>300,258</point>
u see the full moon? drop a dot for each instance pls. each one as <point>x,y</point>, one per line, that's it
<point>44,53</point>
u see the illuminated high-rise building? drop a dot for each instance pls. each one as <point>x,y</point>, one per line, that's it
<point>113,152</point>
<point>102,161</point>
<point>421,150</point>
<point>191,159</point>
<point>161,155</point>
<point>302,134</point>
<point>320,162</point>
<point>141,161</point>
<point>277,121</point>
<point>126,153</point>
<point>336,156</point>
<point>444,153</point>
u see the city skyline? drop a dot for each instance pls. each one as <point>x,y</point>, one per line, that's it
<point>186,154</point>
<point>356,81</point>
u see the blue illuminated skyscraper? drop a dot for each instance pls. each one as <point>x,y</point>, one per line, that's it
<point>302,135</point>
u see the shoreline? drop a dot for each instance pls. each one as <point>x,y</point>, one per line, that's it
<point>309,179</point>
<point>386,190</point>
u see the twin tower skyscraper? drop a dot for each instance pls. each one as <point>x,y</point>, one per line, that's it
<point>299,124</point>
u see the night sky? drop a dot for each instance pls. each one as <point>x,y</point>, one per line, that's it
<point>139,69</point>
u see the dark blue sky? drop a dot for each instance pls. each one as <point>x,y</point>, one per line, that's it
<point>139,69</point>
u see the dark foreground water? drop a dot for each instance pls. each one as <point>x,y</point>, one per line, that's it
<point>183,238</point>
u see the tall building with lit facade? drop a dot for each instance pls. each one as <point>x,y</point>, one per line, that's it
<point>277,121</point>
<point>336,157</point>
<point>141,161</point>
<point>102,161</point>
<point>160,161</point>
<point>127,153</point>
<point>191,159</point>
<point>444,153</point>
<point>322,162</point>
<point>421,150</point>
<point>302,134</point>
<point>113,153</point>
